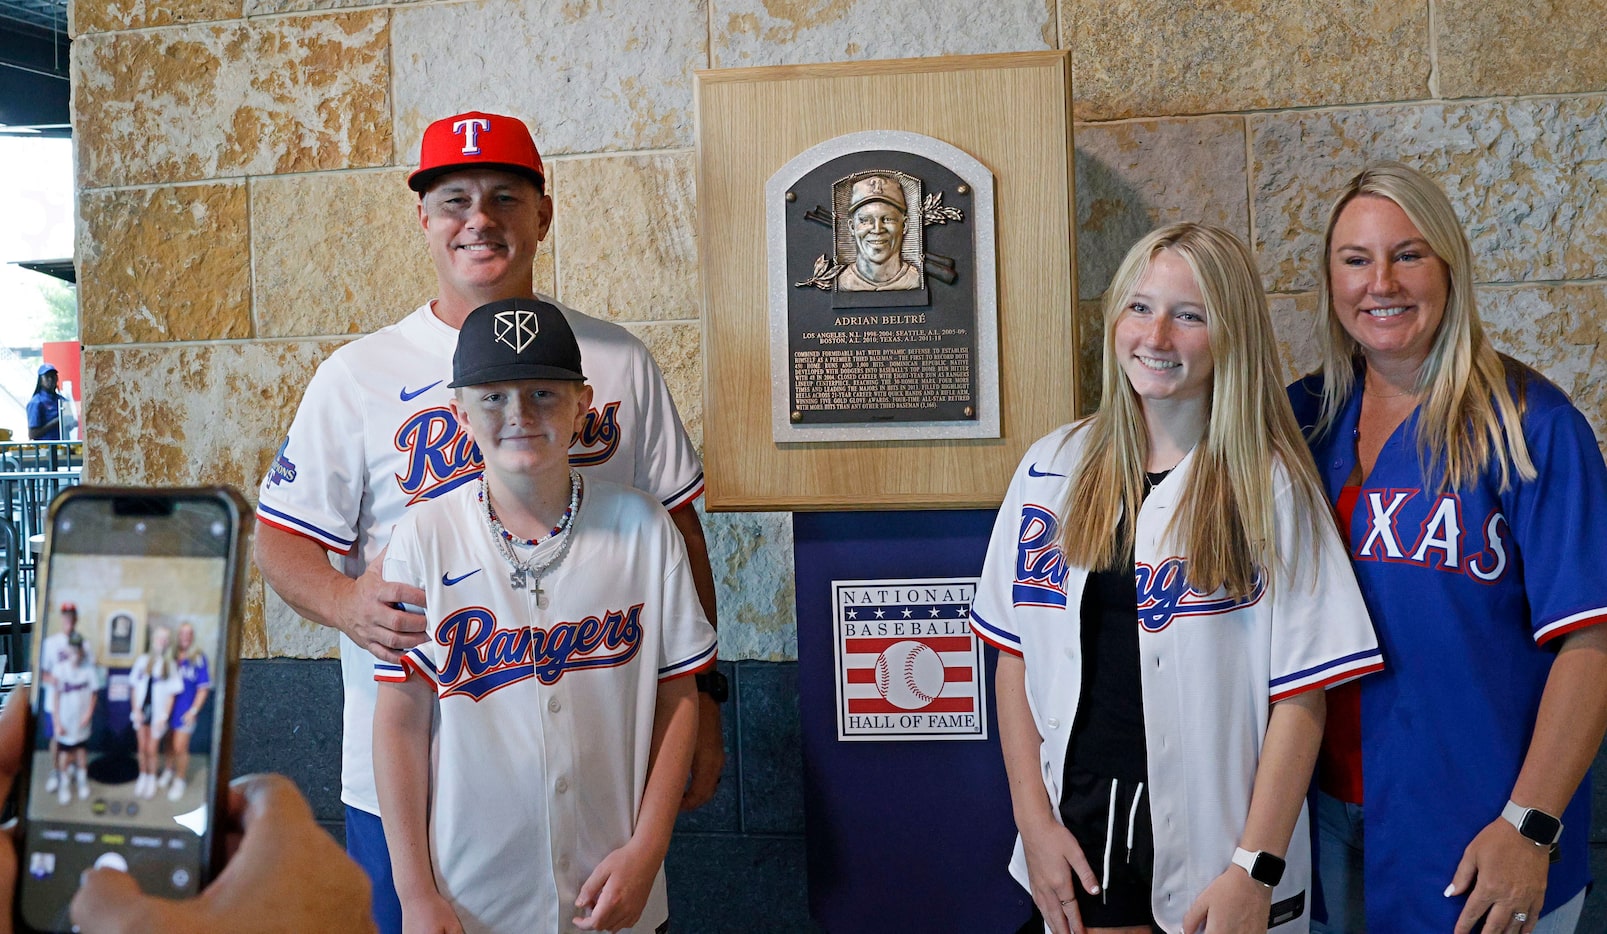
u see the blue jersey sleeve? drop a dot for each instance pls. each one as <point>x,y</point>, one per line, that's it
<point>1556,519</point>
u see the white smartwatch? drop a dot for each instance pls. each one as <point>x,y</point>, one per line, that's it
<point>1539,827</point>
<point>1262,866</point>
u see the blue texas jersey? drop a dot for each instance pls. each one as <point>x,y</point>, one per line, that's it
<point>1467,588</point>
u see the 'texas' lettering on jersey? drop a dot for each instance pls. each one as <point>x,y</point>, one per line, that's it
<point>1440,537</point>
<point>481,658</point>
<point>440,455</point>
<point>1164,593</point>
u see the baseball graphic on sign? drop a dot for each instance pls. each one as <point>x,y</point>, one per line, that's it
<point>909,674</point>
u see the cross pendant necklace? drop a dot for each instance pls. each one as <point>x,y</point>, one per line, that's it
<point>518,579</point>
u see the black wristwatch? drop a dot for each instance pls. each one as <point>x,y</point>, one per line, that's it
<point>1539,827</point>
<point>1262,866</point>
<point>714,684</point>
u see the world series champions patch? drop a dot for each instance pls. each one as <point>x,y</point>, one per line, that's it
<point>908,665</point>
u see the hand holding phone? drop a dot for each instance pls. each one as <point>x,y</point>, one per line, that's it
<point>137,644</point>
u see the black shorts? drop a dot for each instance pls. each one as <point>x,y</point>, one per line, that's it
<point>71,747</point>
<point>1100,811</point>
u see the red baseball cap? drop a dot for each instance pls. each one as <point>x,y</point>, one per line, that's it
<point>69,608</point>
<point>476,140</point>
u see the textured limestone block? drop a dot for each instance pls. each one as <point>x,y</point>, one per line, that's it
<point>678,350</point>
<point>268,7</point>
<point>587,76</point>
<point>1487,49</point>
<point>192,414</point>
<point>1133,58</point>
<point>164,264</point>
<point>1296,319</point>
<point>768,32</point>
<point>286,94</point>
<point>628,229</point>
<point>1560,330</point>
<point>336,253</point>
<point>287,635</point>
<point>88,16</point>
<point>1134,177</point>
<point>752,557</point>
<point>1524,176</point>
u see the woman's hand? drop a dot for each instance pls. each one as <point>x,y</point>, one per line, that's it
<point>1233,903</point>
<point>1053,855</point>
<point>1507,874</point>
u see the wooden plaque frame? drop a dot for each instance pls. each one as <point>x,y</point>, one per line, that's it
<point>1013,113</point>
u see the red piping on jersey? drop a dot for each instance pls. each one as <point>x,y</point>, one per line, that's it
<point>300,534</point>
<point>998,645</point>
<point>1331,679</point>
<point>692,671</point>
<point>1575,626</point>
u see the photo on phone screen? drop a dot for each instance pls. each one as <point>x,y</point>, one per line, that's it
<point>131,693</point>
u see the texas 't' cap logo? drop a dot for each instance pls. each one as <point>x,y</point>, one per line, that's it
<point>515,329</point>
<point>470,131</point>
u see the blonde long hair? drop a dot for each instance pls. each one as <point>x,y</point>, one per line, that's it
<point>1468,412</point>
<point>1226,517</point>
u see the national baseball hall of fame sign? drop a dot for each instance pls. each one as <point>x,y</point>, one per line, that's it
<point>882,292</point>
<point>908,665</point>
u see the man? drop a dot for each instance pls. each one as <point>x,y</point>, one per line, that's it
<point>375,434</point>
<point>876,216</point>
<point>44,407</point>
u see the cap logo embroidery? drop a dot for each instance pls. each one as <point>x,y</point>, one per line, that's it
<point>470,131</point>
<point>516,329</point>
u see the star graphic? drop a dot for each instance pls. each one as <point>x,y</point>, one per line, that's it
<point>936,612</point>
<point>852,614</point>
<point>879,614</point>
<point>962,612</point>
<point>908,612</point>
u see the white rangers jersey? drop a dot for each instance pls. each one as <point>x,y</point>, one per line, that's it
<point>545,718</point>
<point>374,436</point>
<point>1212,666</point>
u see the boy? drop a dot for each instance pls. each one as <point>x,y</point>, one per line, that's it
<point>563,622</point>
<point>73,710</point>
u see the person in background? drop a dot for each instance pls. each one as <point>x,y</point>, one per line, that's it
<point>154,681</point>
<point>45,407</point>
<point>73,696</point>
<point>197,678</point>
<point>1471,493</point>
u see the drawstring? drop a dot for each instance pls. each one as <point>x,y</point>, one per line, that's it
<point>1110,833</point>
<point>1132,820</point>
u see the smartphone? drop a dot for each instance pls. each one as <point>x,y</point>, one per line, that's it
<point>135,659</point>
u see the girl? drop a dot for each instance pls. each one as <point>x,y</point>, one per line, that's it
<point>155,680</point>
<point>1170,599</point>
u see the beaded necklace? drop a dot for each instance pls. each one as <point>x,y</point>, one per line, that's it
<point>528,573</point>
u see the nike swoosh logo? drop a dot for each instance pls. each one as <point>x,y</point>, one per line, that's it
<point>448,580</point>
<point>1033,471</point>
<point>410,396</point>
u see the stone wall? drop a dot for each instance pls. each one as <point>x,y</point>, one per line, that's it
<point>241,167</point>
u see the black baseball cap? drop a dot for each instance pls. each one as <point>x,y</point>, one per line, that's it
<point>516,338</point>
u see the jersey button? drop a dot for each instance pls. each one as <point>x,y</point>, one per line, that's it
<point>1052,723</point>
<point>561,785</point>
<point>554,706</point>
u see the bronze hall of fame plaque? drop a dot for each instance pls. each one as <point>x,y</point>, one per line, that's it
<point>883,322</point>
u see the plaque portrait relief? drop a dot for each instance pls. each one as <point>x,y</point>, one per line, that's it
<point>882,292</point>
<point>877,218</point>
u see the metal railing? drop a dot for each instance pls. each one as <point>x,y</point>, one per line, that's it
<point>31,474</point>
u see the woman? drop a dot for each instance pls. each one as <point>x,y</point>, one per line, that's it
<point>197,681</point>
<point>1471,492</point>
<point>44,407</point>
<point>155,682</point>
<point>1159,688</point>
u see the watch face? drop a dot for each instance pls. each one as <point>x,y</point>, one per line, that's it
<point>1268,869</point>
<point>1540,827</point>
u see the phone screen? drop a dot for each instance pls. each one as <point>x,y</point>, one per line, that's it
<point>129,696</point>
